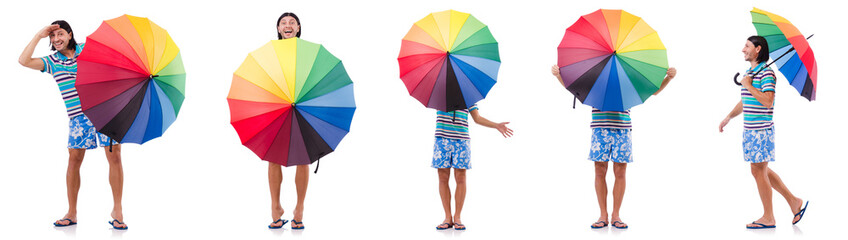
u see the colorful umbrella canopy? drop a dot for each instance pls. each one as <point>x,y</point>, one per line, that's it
<point>611,60</point>
<point>130,79</point>
<point>798,66</point>
<point>449,60</point>
<point>291,102</point>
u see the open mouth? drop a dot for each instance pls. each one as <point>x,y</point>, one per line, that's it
<point>288,31</point>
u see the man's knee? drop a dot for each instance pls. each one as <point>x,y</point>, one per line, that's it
<point>460,176</point>
<point>444,175</point>
<point>75,157</point>
<point>620,170</point>
<point>759,169</point>
<point>601,169</point>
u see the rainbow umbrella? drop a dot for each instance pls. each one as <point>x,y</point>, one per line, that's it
<point>291,102</point>
<point>611,60</point>
<point>130,79</point>
<point>790,51</point>
<point>449,60</point>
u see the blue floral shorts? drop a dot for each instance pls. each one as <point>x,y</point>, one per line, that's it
<point>758,145</point>
<point>452,153</point>
<point>82,134</point>
<point>611,144</point>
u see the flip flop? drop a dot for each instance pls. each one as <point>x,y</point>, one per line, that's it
<point>619,222</point>
<point>281,225</point>
<point>800,214</point>
<point>70,222</point>
<point>458,226</point>
<point>112,223</point>
<point>296,222</point>
<point>602,226</point>
<point>759,226</point>
<point>450,225</point>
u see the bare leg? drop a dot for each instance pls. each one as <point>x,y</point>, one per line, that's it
<point>72,182</point>
<point>459,176</point>
<point>760,173</point>
<point>620,170</point>
<point>445,193</point>
<point>601,190</point>
<point>301,181</point>
<point>116,180</point>
<point>275,180</point>
<point>795,203</point>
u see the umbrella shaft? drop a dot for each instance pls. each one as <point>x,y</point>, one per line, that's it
<point>778,58</point>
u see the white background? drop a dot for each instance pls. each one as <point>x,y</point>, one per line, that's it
<point>198,181</point>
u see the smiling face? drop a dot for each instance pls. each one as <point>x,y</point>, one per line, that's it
<point>288,27</point>
<point>59,38</point>
<point>750,51</point>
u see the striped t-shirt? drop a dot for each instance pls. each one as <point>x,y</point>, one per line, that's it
<point>756,115</point>
<point>64,71</point>
<point>610,119</point>
<point>453,124</point>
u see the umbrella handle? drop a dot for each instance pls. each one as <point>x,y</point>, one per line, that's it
<point>736,81</point>
<point>574,102</point>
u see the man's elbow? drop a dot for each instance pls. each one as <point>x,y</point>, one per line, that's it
<point>769,103</point>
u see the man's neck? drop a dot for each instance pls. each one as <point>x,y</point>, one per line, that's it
<point>69,53</point>
<point>754,64</point>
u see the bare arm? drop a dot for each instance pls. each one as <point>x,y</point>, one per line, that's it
<point>26,58</point>
<point>733,113</point>
<point>669,74</point>
<point>765,98</point>
<point>501,127</point>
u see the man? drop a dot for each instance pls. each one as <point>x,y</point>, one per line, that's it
<point>611,141</point>
<point>758,138</point>
<point>63,66</point>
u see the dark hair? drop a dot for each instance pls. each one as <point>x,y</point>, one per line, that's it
<point>288,14</point>
<point>761,42</point>
<point>72,44</point>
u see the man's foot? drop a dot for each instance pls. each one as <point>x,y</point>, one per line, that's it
<point>801,209</point>
<point>67,221</point>
<point>297,219</point>
<point>457,223</point>
<point>458,226</point>
<point>761,223</point>
<point>297,224</point>
<point>118,224</point>
<point>278,224</point>
<point>277,213</point>
<point>118,220</point>
<point>617,223</point>
<point>756,225</point>
<point>602,222</point>
<point>444,225</point>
